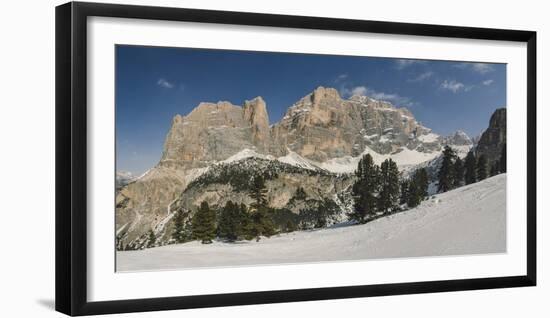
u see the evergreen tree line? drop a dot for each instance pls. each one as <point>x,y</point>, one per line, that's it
<point>454,172</point>
<point>378,190</point>
<point>415,189</point>
<point>236,221</point>
<point>230,223</point>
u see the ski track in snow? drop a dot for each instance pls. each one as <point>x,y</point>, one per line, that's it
<point>467,220</point>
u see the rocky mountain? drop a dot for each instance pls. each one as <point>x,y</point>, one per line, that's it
<point>322,126</point>
<point>319,127</point>
<point>490,143</point>
<point>494,137</point>
<point>214,132</point>
<point>145,203</point>
<point>211,153</point>
<point>459,138</point>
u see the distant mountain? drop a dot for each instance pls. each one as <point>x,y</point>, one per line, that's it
<point>459,138</point>
<point>209,153</point>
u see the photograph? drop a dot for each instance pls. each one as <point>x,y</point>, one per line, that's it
<point>228,158</point>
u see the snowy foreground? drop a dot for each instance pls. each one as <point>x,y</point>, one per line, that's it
<point>468,220</point>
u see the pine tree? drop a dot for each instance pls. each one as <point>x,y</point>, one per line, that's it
<point>458,173</point>
<point>417,188</point>
<point>151,239</point>
<point>445,175</point>
<point>248,225</point>
<point>403,199</point>
<point>204,224</point>
<point>300,194</point>
<point>290,226</point>
<point>365,189</point>
<point>230,225</point>
<point>481,169</point>
<point>320,220</point>
<point>261,223</point>
<point>422,182</point>
<point>470,175</point>
<point>258,191</point>
<point>502,159</point>
<point>389,186</point>
<point>413,198</point>
<point>179,234</point>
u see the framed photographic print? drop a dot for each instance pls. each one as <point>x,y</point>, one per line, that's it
<point>209,158</point>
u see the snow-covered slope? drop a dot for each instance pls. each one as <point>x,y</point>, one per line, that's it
<point>404,158</point>
<point>295,159</point>
<point>246,153</point>
<point>467,220</point>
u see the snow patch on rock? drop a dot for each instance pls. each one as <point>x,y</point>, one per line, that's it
<point>295,159</point>
<point>246,153</point>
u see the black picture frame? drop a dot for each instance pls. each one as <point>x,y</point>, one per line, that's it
<point>71,157</point>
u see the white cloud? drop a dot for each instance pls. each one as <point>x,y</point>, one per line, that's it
<point>359,90</point>
<point>341,78</point>
<point>366,91</point>
<point>164,83</point>
<point>488,82</point>
<point>421,77</point>
<point>454,86</point>
<point>404,63</point>
<point>481,68</point>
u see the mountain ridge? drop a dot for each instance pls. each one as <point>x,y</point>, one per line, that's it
<point>320,126</point>
<point>321,134</point>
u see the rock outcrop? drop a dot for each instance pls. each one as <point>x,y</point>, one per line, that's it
<point>215,131</point>
<point>323,126</point>
<point>232,181</point>
<point>255,114</point>
<point>494,137</point>
<point>143,204</point>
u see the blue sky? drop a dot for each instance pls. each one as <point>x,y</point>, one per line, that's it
<point>155,83</point>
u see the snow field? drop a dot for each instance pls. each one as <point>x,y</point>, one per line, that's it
<point>467,220</point>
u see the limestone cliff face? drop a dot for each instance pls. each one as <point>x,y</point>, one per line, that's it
<point>255,114</point>
<point>145,204</point>
<point>215,131</point>
<point>494,137</point>
<point>322,126</point>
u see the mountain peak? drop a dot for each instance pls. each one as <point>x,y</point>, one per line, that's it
<point>321,93</point>
<point>205,108</point>
<point>257,99</point>
<point>459,138</point>
<point>255,114</point>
